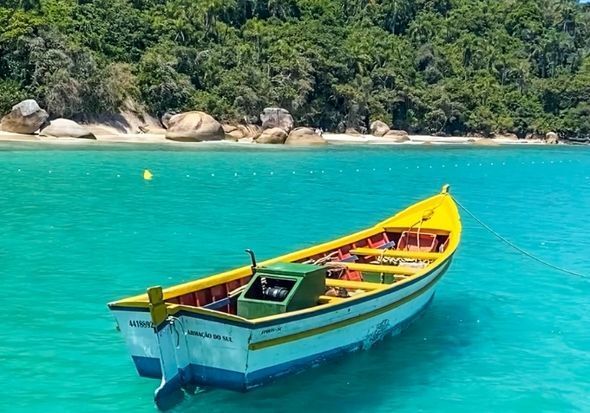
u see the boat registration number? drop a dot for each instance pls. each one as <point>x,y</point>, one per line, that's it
<point>141,324</point>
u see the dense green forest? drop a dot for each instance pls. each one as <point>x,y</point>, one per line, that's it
<point>435,66</point>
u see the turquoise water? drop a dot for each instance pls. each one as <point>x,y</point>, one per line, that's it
<point>80,228</point>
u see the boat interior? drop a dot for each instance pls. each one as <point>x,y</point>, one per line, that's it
<point>368,264</point>
<point>393,252</point>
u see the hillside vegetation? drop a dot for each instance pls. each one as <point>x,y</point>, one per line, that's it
<point>434,66</point>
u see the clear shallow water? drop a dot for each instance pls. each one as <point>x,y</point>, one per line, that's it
<point>81,228</point>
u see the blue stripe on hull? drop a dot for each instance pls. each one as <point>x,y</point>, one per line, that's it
<point>148,366</point>
<point>216,377</point>
<point>232,380</point>
<point>201,375</point>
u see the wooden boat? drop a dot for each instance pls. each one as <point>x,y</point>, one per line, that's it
<point>242,328</point>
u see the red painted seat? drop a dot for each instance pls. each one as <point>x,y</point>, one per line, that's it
<point>417,241</point>
<point>377,241</point>
<point>352,276</point>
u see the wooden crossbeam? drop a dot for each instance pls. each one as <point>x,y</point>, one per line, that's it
<point>386,269</point>
<point>419,255</point>
<point>354,285</point>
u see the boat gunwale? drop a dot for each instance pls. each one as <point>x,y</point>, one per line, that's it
<point>140,302</point>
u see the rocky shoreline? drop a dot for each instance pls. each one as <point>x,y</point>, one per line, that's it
<point>27,122</point>
<point>332,139</point>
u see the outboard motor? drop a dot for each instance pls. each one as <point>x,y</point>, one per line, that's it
<point>275,293</point>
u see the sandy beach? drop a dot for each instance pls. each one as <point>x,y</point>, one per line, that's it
<point>331,138</point>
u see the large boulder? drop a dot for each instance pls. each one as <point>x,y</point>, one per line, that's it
<point>304,136</point>
<point>552,138</point>
<point>25,117</point>
<point>237,132</point>
<point>379,128</point>
<point>276,118</point>
<point>65,128</point>
<point>352,131</point>
<point>231,132</point>
<point>251,131</point>
<point>272,136</point>
<point>486,142</point>
<point>194,127</point>
<point>396,132</point>
<point>397,135</point>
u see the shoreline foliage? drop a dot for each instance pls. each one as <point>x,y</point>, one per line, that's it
<point>438,67</point>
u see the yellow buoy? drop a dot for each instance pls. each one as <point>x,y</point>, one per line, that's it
<point>147,175</point>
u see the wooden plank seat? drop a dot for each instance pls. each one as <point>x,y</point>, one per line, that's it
<point>351,258</point>
<point>418,255</point>
<point>390,244</point>
<point>386,269</point>
<point>216,305</point>
<point>354,285</point>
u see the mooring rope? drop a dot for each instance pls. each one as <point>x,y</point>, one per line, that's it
<point>516,247</point>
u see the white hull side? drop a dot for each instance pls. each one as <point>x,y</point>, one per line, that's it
<point>219,355</point>
<point>281,359</point>
<point>138,331</point>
